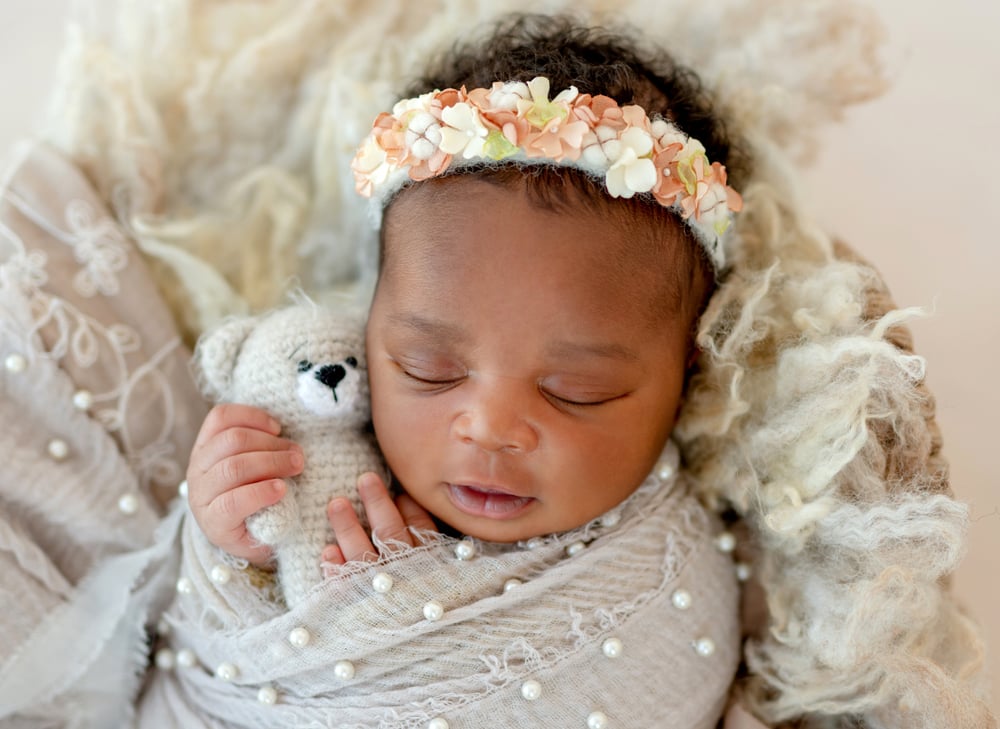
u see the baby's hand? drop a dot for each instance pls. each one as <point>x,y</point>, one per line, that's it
<point>236,469</point>
<point>389,520</point>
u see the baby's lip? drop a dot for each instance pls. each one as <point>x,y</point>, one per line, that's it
<point>487,500</point>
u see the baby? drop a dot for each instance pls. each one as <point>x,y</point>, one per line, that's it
<point>553,221</point>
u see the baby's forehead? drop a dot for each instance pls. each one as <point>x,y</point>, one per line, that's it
<point>619,248</point>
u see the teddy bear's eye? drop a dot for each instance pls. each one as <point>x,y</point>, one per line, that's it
<point>305,365</point>
<point>352,361</point>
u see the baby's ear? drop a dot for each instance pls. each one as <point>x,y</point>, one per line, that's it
<point>216,353</point>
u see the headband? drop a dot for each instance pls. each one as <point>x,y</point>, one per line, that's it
<point>515,121</point>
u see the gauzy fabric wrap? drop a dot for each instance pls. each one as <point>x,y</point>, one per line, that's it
<point>639,625</point>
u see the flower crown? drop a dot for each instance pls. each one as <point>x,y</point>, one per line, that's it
<point>516,121</point>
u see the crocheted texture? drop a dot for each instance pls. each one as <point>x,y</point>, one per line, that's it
<point>305,366</point>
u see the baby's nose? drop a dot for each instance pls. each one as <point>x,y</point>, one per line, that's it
<point>330,375</point>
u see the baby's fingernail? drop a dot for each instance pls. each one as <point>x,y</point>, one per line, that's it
<point>274,425</point>
<point>297,459</point>
<point>278,486</point>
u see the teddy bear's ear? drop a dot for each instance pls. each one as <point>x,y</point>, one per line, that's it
<point>216,353</point>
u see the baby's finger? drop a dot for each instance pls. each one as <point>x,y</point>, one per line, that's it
<point>233,415</point>
<point>355,546</point>
<point>241,470</point>
<point>386,521</point>
<point>236,441</point>
<point>414,514</point>
<point>226,513</point>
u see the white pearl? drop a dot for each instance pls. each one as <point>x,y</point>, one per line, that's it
<point>128,504</point>
<point>512,584</point>
<point>597,720</point>
<point>382,582</point>
<point>437,723</point>
<point>163,627</point>
<point>681,599</point>
<point>299,637</point>
<point>611,519</point>
<point>743,571</point>
<point>185,586</point>
<point>704,647</point>
<point>82,400</point>
<point>165,659</point>
<point>612,648</point>
<point>726,542</point>
<point>664,469</point>
<point>182,489</point>
<point>15,363</point>
<point>534,543</point>
<point>465,550</point>
<point>344,670</point>
<point>58,449</point>
<point>531,690</point>
<point>267,695</point>
<point>433,611</point>
<point>575,548</point>
<point>221,574</point>
<point>186,658</point>
<point>227,672</point>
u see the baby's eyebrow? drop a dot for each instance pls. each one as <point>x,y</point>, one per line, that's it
<point>433,328</point>
<point>608,350</point>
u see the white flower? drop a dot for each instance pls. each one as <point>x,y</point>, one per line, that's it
<point>423,135</point>
<point>600,147</point>
<point>713,209</point>
<point>370,162</point>
<point>505,97</point>
<point>418,103</point>
<point>666,133</point>
<point>464,133</point>
<point>633,171</point>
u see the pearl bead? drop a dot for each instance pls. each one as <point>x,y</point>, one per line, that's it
<point>534,543</point>
<point>128,504</point>
<point>726,542</point>
<point>433,611</point>
<point>182,489</point>
<point>186,658</point>
<point>597,720</point>
<point>664,470</point>
<point>299,637</point>
<point>58,449</point>
<point>704,647</point>
<point>185,586</point>
<point>163,627</point>
<point>267,695</point>
<point>575,548</point>
<point>437,723</point>
<point>531,690</point>
<point>15,363</point>
<point>743,572</point>
<point>612,648</point>
<point>165,659</point>
<point>612,519</point>
<point>512,584</point>
<point>382,582</point>
<point>465,550</point>
<point>681,599</point>
<point>82,400</point>
<point>221,574</point>
<point>344,670</point>
<point>227,672</point>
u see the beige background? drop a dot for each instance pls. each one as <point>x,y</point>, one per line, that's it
<point>910,180</point>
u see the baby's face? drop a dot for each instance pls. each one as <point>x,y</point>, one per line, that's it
<point>521,383</point>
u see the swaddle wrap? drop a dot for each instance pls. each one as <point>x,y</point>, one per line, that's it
<point>630,620</point>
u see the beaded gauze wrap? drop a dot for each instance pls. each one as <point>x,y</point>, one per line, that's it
<point>516,122</point>
<point>630,619</point>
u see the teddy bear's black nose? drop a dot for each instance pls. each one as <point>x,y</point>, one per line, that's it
<point>330,375</point>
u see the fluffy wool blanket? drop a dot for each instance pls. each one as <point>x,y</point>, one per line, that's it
<point>628,621</point>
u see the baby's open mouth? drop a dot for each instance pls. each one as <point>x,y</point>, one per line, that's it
<point>488,502</point>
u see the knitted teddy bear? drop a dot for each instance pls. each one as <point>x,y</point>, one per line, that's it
<point>305,366</point>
